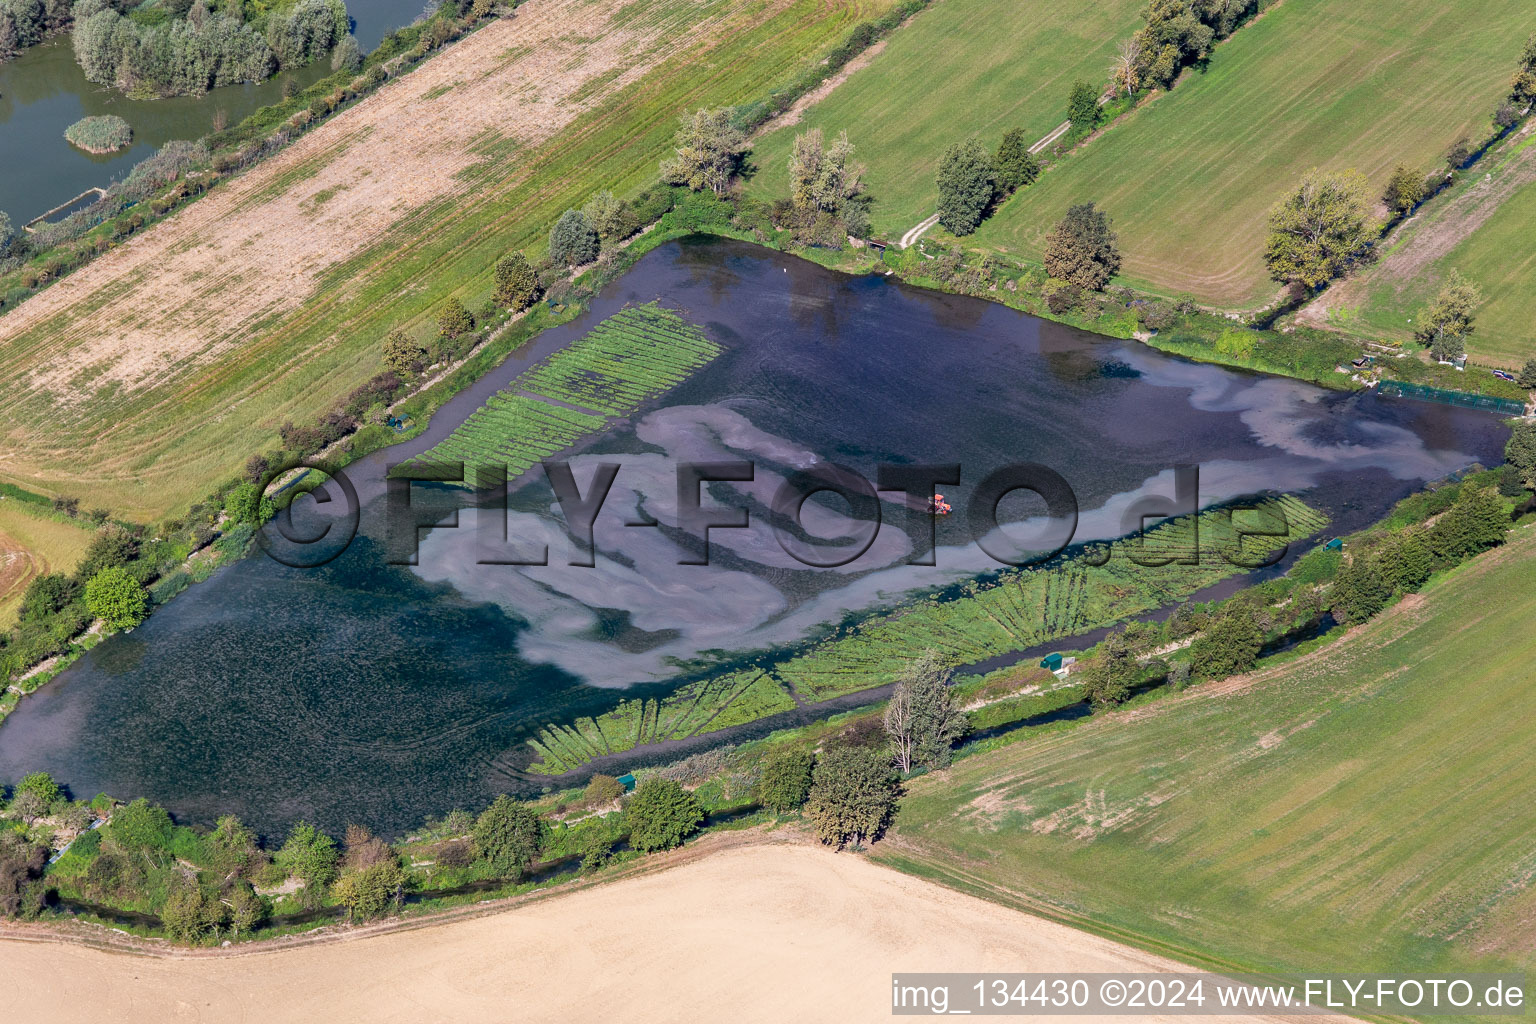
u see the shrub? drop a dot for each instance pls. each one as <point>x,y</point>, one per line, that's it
<point>1236,342</point>
<point>104,134</point>
<point>192,915</point>
<point>786,780</point>
<point>602,789</point>
<point>1064,299</point>
<point>573,241</point>
<point>661,815</point>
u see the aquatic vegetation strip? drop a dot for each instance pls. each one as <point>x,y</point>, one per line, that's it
<point>703,706</point>
<point>1015,610</point>
<point>631,357</point>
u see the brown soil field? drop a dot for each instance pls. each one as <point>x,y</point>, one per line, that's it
<point>763,932</point>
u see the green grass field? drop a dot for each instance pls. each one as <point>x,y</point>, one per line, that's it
<point>1190,176</point>
<point>1363,808</point>
<point>961,67</point>
<point>1497,254</point>
<point>150,451</point>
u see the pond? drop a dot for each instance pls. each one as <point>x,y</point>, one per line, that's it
<point>43,91</point>
<point>378,693</point>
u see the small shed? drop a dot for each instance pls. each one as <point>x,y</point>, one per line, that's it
<point>628,782</point>
<point>1337,544</point>
<point>1051,662</point>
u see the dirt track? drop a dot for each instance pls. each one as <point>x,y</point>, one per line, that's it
<point>751,933</point>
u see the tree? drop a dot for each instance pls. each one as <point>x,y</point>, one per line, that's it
<point>116,598</point>
<point>46,595</point>
<point>596,846</point>
<point>823,178</point>
<point>965,185</point>
<point>1446,323</point>
<point>453,319</point>
<point>1014,164</point>
<point>22,890</point>
<point>1407,562</point>
<point>517,286</point>
<point>309,855</point>
<point>235,843</point>
<point>661,815</point>
<point>1229,645</point>
<point>1520,452</point>
<point>1082,249</point>
<point>853,795</point>
<point>1125,69</point>
<point>609,216</point>
<point>1527,378</point>
<point>193,915</point>
<point>509,835</point>
<point>1405,190</point>
<point>1083,108</point>
<point>786,779</point>
<point>602,789</point>
<point>572,241</point>
<point>1319,231</point>
<point>347,54</point>
<point>1108,677</point>
<point>404,354</point>
<point>1359,592</point>
<point>708,149</point>
<point>922,718</point>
